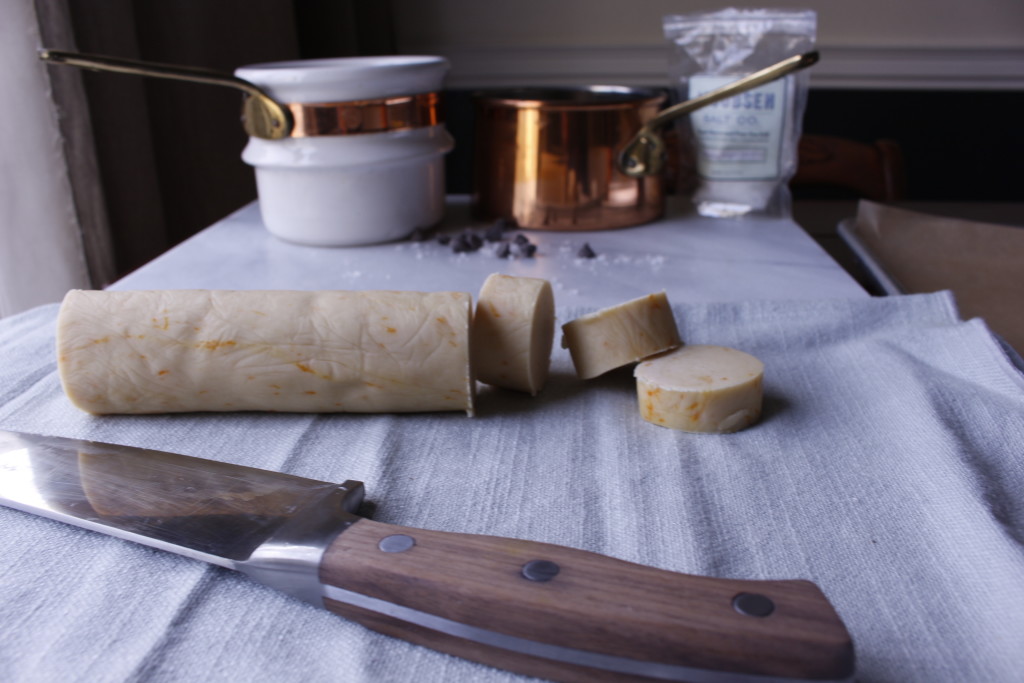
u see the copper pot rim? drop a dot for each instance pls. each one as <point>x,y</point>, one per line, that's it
<point>572,98</point>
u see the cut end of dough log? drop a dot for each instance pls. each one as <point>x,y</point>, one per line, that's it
<point>704,389</point>
<point>513,331</point>
<point>619,335</point>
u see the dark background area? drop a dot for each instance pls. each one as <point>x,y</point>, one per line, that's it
<point>957,145</point>
<point>169,153</point>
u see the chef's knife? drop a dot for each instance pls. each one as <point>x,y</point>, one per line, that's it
<point>533,608</point>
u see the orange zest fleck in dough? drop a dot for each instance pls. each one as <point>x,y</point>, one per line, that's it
<point>214,344</point>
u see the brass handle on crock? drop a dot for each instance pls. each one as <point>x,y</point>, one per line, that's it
<point>262,116</point>
<point>644,155</point>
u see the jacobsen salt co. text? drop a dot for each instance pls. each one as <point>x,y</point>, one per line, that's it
<point>757,101</point>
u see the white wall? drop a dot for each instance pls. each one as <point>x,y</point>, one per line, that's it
<point>872,43</point>
<point>879,23</point>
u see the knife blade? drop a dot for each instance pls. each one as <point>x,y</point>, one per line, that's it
<point>533,608</point>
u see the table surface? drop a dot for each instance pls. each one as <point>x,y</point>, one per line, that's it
<point>692,258</point>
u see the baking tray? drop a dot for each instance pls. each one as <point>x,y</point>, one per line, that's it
<point>886,283</point>
<point>890,286</point>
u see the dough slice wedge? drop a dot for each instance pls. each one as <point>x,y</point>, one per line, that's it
<point>619,335</point>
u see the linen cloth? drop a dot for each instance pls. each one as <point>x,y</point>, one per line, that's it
<point>887,468</point>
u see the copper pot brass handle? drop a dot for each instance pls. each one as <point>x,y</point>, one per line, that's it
<point>644,155</point>
<point>262,116</point>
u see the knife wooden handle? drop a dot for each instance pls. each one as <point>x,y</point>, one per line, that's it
<point>572,615</point>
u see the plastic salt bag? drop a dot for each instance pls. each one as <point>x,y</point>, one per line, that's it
<point>744,148</point>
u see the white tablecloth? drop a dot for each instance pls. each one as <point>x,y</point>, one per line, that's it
<point>887,469</point>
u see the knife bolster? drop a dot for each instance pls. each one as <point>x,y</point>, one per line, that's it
<point>290,559</point>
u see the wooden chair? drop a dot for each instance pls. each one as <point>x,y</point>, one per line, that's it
<point>862,170</point>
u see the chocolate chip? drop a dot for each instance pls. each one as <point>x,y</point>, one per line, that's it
<point>504,251</point>
<point>521,239</point>
<point>585,251</point>
<point>466,242</point>
<point>496,232</point>
<point>527,250</point>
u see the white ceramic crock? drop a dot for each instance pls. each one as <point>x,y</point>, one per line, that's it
<point>356,188</point>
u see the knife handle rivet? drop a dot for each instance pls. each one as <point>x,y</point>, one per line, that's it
<point>753,604</point>
<point>540,570</point>
<point>396,543</point>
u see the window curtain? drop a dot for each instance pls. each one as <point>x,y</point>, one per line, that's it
<point>41,253</point>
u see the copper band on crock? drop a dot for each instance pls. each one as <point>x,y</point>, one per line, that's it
<point>365,116</point>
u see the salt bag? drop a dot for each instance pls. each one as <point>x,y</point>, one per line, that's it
<point>743,150</point>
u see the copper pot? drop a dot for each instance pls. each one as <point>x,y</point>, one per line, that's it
<point>586,158</point>
<point>547,157</point>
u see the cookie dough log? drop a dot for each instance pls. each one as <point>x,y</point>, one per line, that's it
<point>513,330</point>
<point>619,335</point>
<point>210,350</point>
<point>709,389</point>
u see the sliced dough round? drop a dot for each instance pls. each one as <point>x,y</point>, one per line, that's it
<point>513,329</point>
<point>619,335</point>
<point>711,389</point>
<point>209,350</point>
